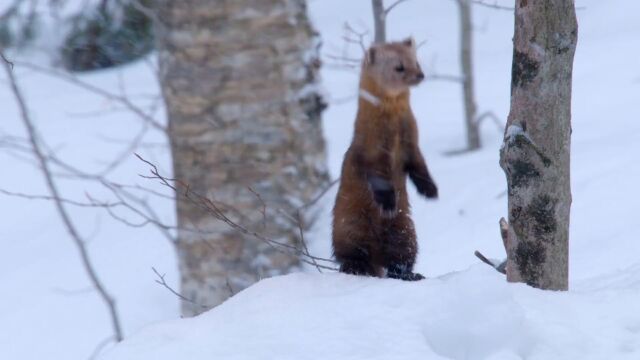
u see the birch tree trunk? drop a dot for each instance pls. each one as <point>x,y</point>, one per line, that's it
<point>536,148</point>
<point>466,62</point>
<point>238,78</point>
<point>379,21</point>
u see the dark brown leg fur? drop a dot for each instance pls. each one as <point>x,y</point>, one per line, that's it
<point>356,261</point>
<point>400,248</point>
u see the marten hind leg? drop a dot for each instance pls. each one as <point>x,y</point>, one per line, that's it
<point>356,260</point>
<point>400,249</point>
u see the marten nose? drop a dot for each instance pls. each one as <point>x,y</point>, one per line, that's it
<point>420,76</point>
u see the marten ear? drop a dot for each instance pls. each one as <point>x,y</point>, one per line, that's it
<point>371,55</point>
<point>409,42</point>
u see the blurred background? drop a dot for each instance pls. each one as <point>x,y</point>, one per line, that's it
<point>194,148</point>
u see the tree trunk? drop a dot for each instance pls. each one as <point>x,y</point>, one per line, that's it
<point>379,21</point>
<point>466,62</point>
<point>239,82</point>
<point>536,148</point>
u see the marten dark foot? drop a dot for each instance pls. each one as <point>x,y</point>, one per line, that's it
<point>408,276</point>
<point>425,186</point>
<point>384,195</point>
<point>430,190</point>
<point>357,267</point>
<point>403,272</point>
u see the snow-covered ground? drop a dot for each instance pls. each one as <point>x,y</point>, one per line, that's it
<point>464,310</point>
<point>471,314</point>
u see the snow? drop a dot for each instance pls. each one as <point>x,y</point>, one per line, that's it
<point>513,131</point>
<point>464,310</point>
<point>472,314</point>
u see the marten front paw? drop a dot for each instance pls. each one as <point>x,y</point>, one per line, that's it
<point>429,189</point>
<point>425,185</point>
<point>386,199</point>
<point>384,195</point>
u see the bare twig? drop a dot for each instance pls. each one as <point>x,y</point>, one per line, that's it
<point>445,77</point>
<point>52,198</point>
<point>353,36</point>
<point>126,153</point>
<point>122,100</point>
<point>303,242</point>
<point>491,115</point>
<point>501,268</point>
<point>6,61</point>
<point>319,196</point>
<point>214,210</point>
<point>231,292</point>
<point>101,345</point>
<point>62,212</point>
<point>263,211</point>
<point>504,233</point>
<point>388,9</point>
<point>160,280</point>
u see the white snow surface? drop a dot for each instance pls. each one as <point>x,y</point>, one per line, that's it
<point>463,310</point>
<point>472,314</point>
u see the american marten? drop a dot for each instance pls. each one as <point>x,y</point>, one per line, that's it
<point>372,226</point>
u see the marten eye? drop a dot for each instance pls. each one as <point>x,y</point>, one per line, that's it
<point>400,68</point>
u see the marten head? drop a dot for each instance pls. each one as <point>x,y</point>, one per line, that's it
<point>393,66</point>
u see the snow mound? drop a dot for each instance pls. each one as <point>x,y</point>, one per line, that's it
<point>473,314</point>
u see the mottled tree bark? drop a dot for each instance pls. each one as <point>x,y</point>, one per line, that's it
<point>466,63</point>
<point>238,78</point>
<point>536,148</point>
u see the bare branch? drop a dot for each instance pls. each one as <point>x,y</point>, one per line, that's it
<point>62,212</point>
<point>353,36</point>
<point>263,211</point>
<point>445,77</point>
<point>51,198</point>
<point>303,242</point>
<point>231,292</point>
<point>214,210</point>
<point>388,10</point>
<point>499,267</point>
<point>122,100</point>
<point>319,196</point>
<point>6,61</point>
<point>491,115</point>
<point>164,284</point>
<point>101,345</point>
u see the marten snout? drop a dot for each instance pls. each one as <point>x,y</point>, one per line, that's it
<point>415,78</point>
<point>412,75</point>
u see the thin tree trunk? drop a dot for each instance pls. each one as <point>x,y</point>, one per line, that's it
<point>238,78</point>
<point>466,62</point>
<point>536,149</point>
<point>43,163</point>
<point>379,21</point>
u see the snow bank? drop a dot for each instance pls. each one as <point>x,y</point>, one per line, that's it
<point>473,314</point>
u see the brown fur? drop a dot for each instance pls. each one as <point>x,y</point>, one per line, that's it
<point>372,226</point>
